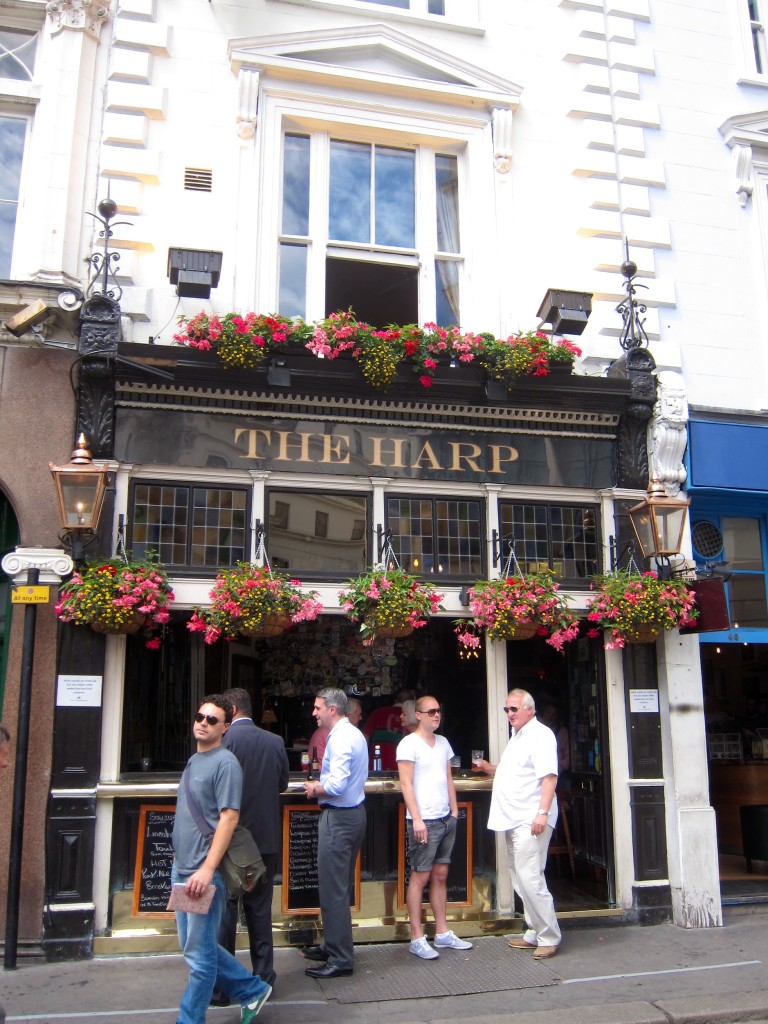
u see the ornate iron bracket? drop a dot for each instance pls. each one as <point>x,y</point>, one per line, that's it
<point>633,332</point>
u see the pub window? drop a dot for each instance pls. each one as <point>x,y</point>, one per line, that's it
<point>757,26</point>
<point>432,536</point>
<point>739,542</point>
<point>320,534</point>
<point>562,538</point>
<point>190,526</point>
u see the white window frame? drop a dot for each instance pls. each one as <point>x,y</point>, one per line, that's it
<point>750,74</point>
<point>460,15</point>
<point>319,245</point>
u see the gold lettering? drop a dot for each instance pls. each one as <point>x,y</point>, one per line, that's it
<point>253,438</point>
<point>470,458</point>
<point>496,460</point>
<point>427,453</point>
<point>397,452</point>
<point>333,448</point>
<point>285,443</point>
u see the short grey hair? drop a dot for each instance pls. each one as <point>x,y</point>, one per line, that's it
<point>527,701</point>
<point>334,698</point>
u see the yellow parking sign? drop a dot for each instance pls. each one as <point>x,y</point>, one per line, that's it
<point>30,595</point>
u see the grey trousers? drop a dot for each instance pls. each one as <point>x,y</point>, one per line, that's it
<point>340,836</point>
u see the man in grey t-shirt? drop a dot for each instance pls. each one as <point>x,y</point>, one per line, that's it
<point>210,789</point>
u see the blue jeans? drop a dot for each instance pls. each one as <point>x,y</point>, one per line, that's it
<point>209,963</point>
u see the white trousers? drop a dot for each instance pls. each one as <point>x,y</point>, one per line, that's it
<point>527,859</point>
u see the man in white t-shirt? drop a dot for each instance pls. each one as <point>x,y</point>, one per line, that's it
<point>524,808</point>
<point>424,765</point>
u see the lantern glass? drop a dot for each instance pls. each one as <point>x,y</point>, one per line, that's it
<point>659,523</point>
<point>80,490</point>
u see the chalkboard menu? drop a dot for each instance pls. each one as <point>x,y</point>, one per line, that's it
<point>154,858</point>
<point>301,891</point>
<point>459,882</point>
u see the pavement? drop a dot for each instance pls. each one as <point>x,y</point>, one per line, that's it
<point>602,974</point>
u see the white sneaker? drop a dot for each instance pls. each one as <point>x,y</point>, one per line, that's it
<point>421,948</point>
<point>451,941</point>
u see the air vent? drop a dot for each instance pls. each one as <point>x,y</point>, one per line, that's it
<point>197,179</point>
<point>707,539</point>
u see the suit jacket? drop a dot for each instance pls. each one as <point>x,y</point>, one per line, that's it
<point>265,774</point>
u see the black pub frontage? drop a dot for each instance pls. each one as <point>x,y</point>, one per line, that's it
<point>318,471</point>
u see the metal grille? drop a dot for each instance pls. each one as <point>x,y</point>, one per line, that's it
<point>198,179</point>
<point>707,539</point>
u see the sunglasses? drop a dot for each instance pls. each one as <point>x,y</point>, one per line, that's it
<point>431,712</point>
<point>210,719</point>
<point>512,709</point>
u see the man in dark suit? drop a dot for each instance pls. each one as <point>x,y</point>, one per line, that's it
<point>265,775</point>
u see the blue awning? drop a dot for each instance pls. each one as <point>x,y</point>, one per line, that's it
<point>727,456</point>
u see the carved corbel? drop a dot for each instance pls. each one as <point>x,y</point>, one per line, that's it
<point>247,103</point>
<point>501,124</point>
<point>668,432</point>
<point>639,367</point>
<point>745,184</point>
<point>78,14</point>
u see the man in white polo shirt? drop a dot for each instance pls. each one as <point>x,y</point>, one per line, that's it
<point>424,766</point>
<point>524,808</point>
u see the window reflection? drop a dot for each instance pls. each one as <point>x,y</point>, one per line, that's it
<point>317,533</point>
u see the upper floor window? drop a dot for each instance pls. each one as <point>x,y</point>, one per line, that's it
<point>462,15</point>
<point>562,538</point>
<point>13,134</point>
<point>194,527</point>
<point>17,54</point>
<point>318,534</point>
<point>363,236</point>
<point>437,536</point>
<point>757,27</point>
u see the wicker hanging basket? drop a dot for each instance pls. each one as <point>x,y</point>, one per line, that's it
<point>133,625</point>
<point>521,632</point>
<point>269,626</point>
<point>644,635</point>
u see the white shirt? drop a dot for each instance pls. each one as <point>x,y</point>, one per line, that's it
<point>530,755</point>
<point>345,766</point>
<point>430,773</point>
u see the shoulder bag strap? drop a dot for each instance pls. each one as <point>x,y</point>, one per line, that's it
<point>194,807</point>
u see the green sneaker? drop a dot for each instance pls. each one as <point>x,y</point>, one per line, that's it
<point>250,1011</point>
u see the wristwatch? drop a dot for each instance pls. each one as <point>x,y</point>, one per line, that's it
<point>542,811</point>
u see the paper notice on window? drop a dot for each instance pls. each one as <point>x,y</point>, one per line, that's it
<point>644,701</point>
<point>78,692</point>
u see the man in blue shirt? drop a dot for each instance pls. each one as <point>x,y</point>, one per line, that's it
<point>341,792</point>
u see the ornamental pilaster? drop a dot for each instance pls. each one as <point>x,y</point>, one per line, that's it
<point>53,563</point>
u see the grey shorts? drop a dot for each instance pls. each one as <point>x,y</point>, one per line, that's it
<point>441,835</point>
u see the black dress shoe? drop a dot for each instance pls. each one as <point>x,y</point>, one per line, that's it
<point>315,953</point>
<point>328,971</point>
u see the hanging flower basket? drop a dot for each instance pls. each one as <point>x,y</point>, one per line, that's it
<point>388,603</point>
<point>518,607</point>
<point>252,600</point>
<point>121,596</point>
<point>637,606</point>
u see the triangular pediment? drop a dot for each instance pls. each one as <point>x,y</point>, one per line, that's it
<point>749,129</point>
<point>370,57</point>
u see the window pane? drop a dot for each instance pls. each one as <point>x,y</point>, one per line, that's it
<point>526,526</point>
<point>412,534</point>
<point>574,542</point>
<point>293,280</point>
<point>317,532</point>
<point>448,311</point>
<point>447,188</point>
<point>296,185</point>
<point>395,197</point>
<point>159,522</point>
<point>404,4</point>
<point>746,600</point>
<point>17,54</point>
<point>349,217</point>
<point>436,7</point>
<point>458,537</point>
<point>742,544</point>
<point>219,536</point>
<point>13,131</point>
